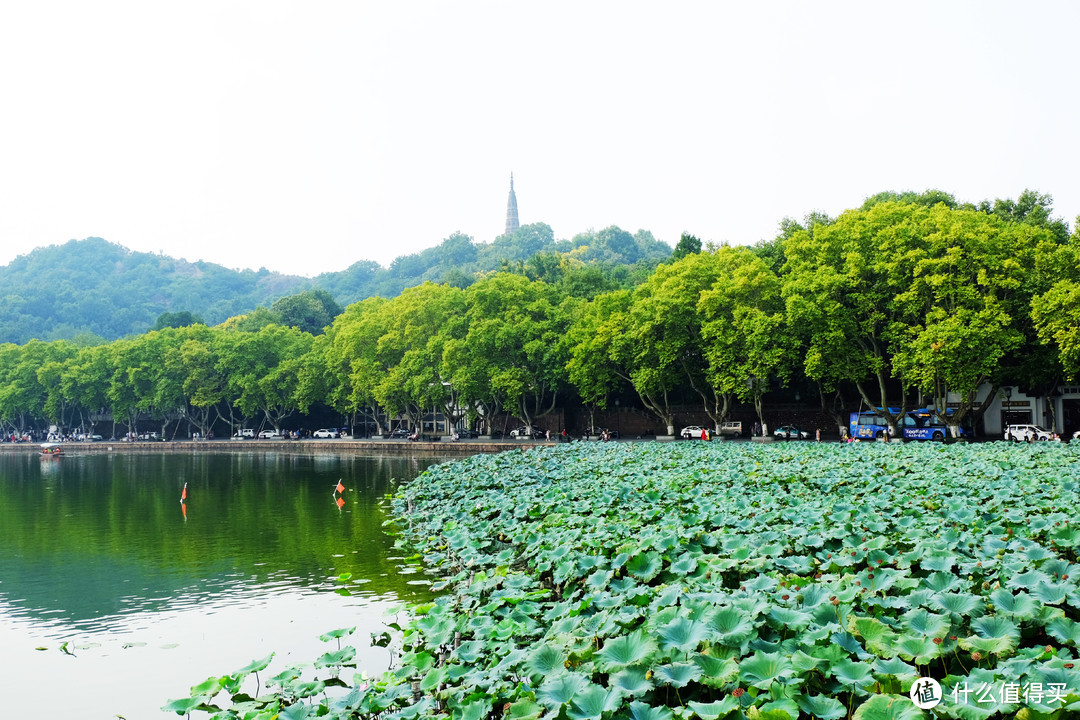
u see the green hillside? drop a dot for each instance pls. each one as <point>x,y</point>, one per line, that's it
<point>96,289</point>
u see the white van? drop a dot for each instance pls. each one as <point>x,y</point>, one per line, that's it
<point>1023,433</point>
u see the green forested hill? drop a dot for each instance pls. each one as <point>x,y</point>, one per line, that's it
<point>531,250</point>
<point>94,287</point>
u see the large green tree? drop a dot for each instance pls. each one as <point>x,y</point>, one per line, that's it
<point>1056,309</point>
<point>417,326</point>
<point>841,283</point>
<point>309,311</point>
<point>513,346</point>
<point>747,341</point>
<point>665,340</point>
<point>965,305</point>
<point>589,341</point>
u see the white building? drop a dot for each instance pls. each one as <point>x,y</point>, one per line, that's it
<point>1060,412</point>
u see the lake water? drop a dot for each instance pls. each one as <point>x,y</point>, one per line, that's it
<point>115,597</point>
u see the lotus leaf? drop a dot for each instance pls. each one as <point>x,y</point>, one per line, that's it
<point>851,673</point>
<point>763,669</point>
<point>716,672</point>
<point>560,689</point>
<point>591,702</point>
<point>1003,633</point>
<point>802,662</point>
<point>715,709</point>
<point>922,622</point>
<point>682,634</point>
<point>183,706</point>
<point>941,582</point>
<point>1064,630</point>
<point>1066,536</point>
<point>341,657</point>
<point>545,660</point>
<point>957,603</point>
<point>877,636</point>
<point>475,710</point>
<point>641,711</point>
<point>1019,605</point>
<point>255,666</point>
<point>644,566</point>
<point>850,644</point>
<point>631,681</point>
<point>685,565</point>
<point>820,706</point>
<point>1049,593</point>
<point>209,687</point>
<point>637,648</point>
<point>790,618</point>
<point>1028,580</point>
<point>888,707</point>
<point>470,651</point>
<point>677,674</point>
<point>733,626</point>
<point>939,562</point>
<point>895,667</point>
<point>524,709</point>
<point>780,709</point>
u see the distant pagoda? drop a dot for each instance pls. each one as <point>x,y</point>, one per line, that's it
<point>512,223</point>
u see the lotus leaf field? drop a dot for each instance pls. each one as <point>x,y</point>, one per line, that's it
<point>655,581</point>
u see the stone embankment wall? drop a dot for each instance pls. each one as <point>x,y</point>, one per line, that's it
<point>298,447</point>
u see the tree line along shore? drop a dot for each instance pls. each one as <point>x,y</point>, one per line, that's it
<point>909,296</point>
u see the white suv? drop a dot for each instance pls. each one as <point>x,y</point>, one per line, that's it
<point>1023,433</point>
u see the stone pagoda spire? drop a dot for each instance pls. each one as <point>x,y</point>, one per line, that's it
<point>512,223</point>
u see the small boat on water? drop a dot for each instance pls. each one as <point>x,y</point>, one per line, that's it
<point>51,450</point>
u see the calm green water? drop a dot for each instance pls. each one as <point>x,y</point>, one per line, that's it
<point>155,596</point>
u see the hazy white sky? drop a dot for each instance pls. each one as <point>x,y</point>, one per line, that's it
<point>304,136</point>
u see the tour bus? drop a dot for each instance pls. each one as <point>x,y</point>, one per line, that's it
<point>918,424</point>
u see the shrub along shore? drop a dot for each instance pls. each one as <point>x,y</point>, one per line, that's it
<point>652,580</point>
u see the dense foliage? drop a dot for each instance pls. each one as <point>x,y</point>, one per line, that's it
<point>724,580</point>
<point>92,288</point>
<point>910,296</point>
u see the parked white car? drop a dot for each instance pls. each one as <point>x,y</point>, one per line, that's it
<point>269,435</point>
<point>790,432</point>
<point>324,433</point>
<point>525,432</point>
<point>1023,433</point>
<point>691,431</point>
